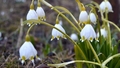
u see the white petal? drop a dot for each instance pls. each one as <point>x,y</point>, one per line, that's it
<point>27,50</point>
<point>83,17</point>
<point>104,5</point>
<point>73,36</point>
<point>39,58</point>
<point>33,62</point>
<point>31,14</point>
<point>40,12</point>
<point>88,32</point>
<point>93,18</point>
<point>109,6</point>
<point>23,61</point>
<point>60,27</point>
<point>103,33</point>
<point>56,33</point>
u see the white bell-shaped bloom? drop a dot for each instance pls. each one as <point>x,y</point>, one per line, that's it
<point>88,33</point>
<point>57,34</point>
<point>106,4</point>
<point>92,18</point>
<point>74,37</point>
<point>103,33</point>
<point>27,51</point>
<point>83,17</point>
<point>31,14</point>
<point>41,13</point>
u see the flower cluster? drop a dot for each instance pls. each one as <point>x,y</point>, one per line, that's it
<point>27,50</point>
<point>38,14</point>
<point>88,32</point>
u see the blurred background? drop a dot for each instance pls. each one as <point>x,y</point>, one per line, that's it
<point>12,11</point>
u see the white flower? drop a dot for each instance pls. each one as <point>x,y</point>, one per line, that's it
<point>41,13</point>
<point>106,4</point>
<point>93,18</point>
<point>57,34</point>
<point>87,33</point>
<point>103,33</point>
<point>27,51</point>
<point>74,37</point>
<point>31,14</point>
<point>83,17</point>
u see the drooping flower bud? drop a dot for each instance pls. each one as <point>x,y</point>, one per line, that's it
<point>106,6</point>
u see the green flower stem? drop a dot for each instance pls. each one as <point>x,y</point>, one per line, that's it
<point>95,54</point>
<point>70,62</point>
<point>108,29</point>
<point>49,5</point>
<point>112,24</point>
<point>62,8</point>
<point>79,4</point>
<point>75,20</point>
<point>30,28</point>
<point>110,58</point>
<point>32,5</point>
<point>100,37</point>
<point>57,19</point>
<point>32,1</point>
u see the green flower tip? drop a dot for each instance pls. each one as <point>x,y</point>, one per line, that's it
<point>82,7</point>
<point>57,21</point>
<point>38,5</point>
<point>31,6</point>
<point>27,38</point>
<point>23,58</point>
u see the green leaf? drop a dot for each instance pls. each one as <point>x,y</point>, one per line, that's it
<point>78,56</point>
<point>118,64</point>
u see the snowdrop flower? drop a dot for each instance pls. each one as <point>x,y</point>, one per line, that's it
<point>57,34</point>
<point>27,51</point>
<point>31,14</point>
<point>106,4</point>
<point>41,13</point>
<point>103,33</point>
<point>83,17</point>
<point>74,37</point>
<point>88,33</point>
<point>92,18</point>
